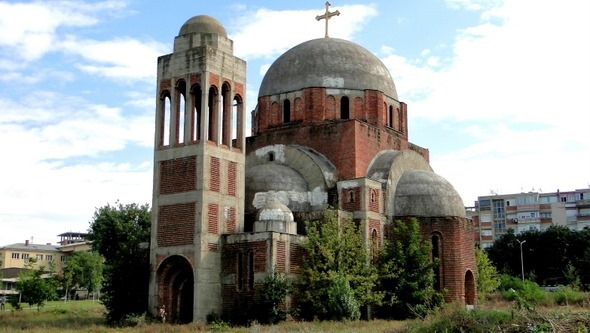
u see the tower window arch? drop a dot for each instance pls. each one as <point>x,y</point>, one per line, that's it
<point>344,108</point>
<point>390,117</point>
<point>436,242</point>
<point>286,111</point>
<point>351,196</point>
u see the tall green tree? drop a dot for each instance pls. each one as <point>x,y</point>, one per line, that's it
<point>336,279</point>
<point>117,233</point>
<point>37,286</point>
<point>83,270</point>
<point>407,273</point>
<point>487,275</point>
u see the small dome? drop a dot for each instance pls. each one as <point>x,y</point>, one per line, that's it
<point>424,193</point>
<point>329,63</point>
<point>275,211</point>
<point>202,24</point>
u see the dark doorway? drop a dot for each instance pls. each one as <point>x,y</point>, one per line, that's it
<point>176,289</point>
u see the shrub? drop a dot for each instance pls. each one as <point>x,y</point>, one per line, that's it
<point>272,298</point>
<point>568,295</point>
<point>342,304</point>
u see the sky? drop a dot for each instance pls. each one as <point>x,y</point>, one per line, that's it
<point>499,91</point>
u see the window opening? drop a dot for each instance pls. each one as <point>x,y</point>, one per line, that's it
<point>286,111</point>
<point>344,108</point>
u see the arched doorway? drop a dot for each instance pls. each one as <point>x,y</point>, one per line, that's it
<point>469,288</point>
<point>176,289</point>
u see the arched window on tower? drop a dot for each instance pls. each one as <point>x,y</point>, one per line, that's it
<point>286,111</point>
<point>226,115</point>
<point>251,270</point>
<point>344,108</point>
<point>436,257</point>
<point>196,95</point>
<point>165,114</point>
<point>390,118</point>
<point>237,121</point>
<point>213,104</point>
<point>180,110</point>
<point>239,271</point>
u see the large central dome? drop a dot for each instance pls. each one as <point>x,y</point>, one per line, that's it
<point>329,63</point>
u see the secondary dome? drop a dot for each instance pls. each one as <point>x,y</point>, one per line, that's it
<point>329,63</point>
<point>202,24</point>
<point>424,193</point>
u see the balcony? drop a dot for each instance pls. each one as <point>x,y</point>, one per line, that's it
<point>528,207</point>
<point>583,203</point>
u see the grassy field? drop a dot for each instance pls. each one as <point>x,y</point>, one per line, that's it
<point>491,316</point>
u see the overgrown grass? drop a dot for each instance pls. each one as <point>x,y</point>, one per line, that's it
<point>493,315</point>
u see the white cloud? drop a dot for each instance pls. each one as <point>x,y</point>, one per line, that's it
<point>523,77</point>
<point>287,28</point>
<point>29,30</point>
<point>125,59</point>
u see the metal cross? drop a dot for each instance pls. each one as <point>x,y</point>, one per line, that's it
<point>327,15</point>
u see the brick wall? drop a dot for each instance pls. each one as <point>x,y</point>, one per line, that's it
<point>351,199</point>
<point>176,224</point>
<point>374,200</point>
<point>213,218</point>
<point>178,175</point>
<point>214,181</point>
<point>296,257</point>
<point>281,258</point>
<point>232,168</point>
<point>457,251</point>
<point>231,220</point>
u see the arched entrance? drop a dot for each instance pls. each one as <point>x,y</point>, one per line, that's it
<point>469,288</point>
<point>176,289</point>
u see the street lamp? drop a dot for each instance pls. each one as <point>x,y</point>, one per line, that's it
<point>521,259</point>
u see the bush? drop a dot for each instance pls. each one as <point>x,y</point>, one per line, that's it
<point>513,288</point>
<point>568,295</point>
<point>342,304</point>
<point>270,306</point>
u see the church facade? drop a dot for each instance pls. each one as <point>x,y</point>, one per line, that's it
<point>328,130</point>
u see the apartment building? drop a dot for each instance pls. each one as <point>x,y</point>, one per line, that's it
<point>494,214</point>
<point>15,257</point>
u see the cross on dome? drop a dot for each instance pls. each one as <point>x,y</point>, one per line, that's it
<point>327,15</point>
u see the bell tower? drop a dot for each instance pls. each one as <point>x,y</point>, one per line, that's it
<point>199,156</point>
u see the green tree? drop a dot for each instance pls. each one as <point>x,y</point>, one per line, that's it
<point>83,270</point>
<point>272,298</point>
<point>37,286</point>
<point>407,273</point>
<point>336,261</point>
<point>117,233</point>
<point>487,275</point>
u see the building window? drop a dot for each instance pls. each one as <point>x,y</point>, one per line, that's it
<point>39,257</point>
<point>251,270</point>
<point>344,108</point>
<point>350,196</point>
<point>390,117</point>
<point>49,257</point>
<point>271,156</point>
<point>373,196</point>
<point>15,255</point>
<point>25,256</point>
<point>240,271</point>
<point>286,111</point>
<point>63,258</point>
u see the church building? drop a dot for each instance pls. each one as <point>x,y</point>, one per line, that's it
<point>328,130</point>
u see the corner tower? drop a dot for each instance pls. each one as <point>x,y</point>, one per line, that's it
<point>199,156</point>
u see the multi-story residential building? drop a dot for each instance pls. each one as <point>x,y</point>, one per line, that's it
<point>494,214</point>
<point>15,257</point>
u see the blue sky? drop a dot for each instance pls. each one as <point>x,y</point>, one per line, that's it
<point>499,92</point>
